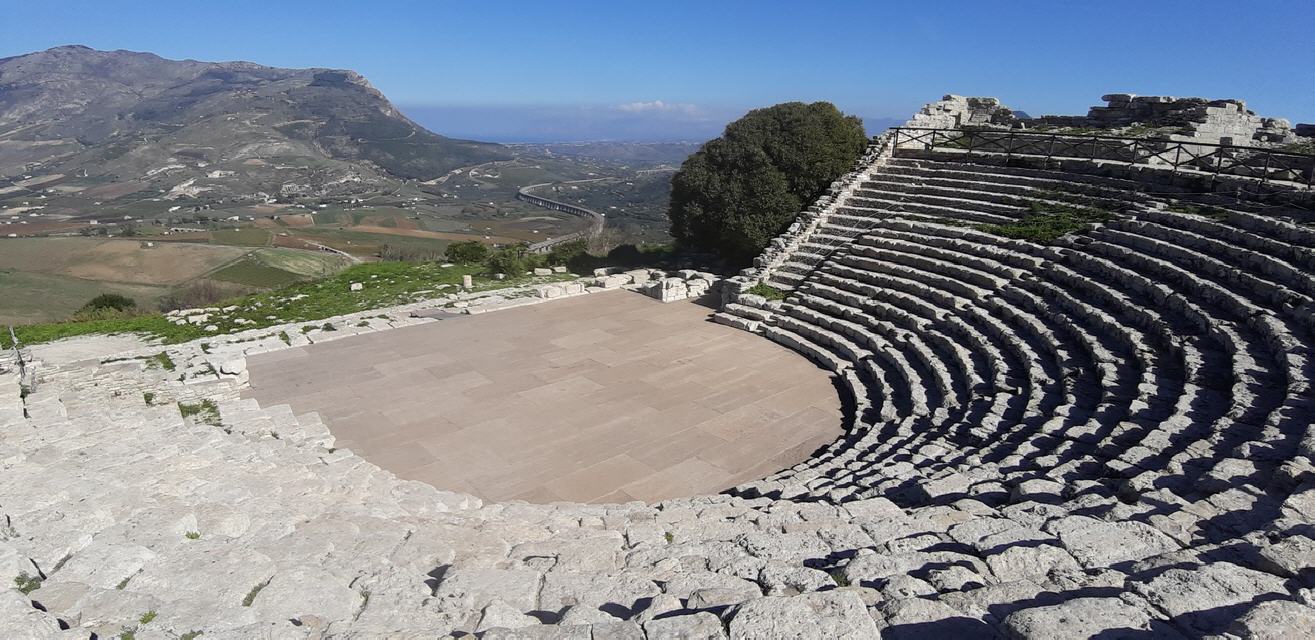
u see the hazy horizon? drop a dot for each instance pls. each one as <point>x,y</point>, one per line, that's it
<point>538,124</point>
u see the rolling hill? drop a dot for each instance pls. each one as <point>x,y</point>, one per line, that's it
<point>211,131</point>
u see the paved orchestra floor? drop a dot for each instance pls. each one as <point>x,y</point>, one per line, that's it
<point>608,397</point>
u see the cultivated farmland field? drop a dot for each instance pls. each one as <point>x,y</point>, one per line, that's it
<point>270,268</point>
<point>114,260</point>
<point>27,297</point>
<point>46,279</point>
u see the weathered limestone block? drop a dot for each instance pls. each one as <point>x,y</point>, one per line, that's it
<point>1205,598</point>
<point>1096,543</point>
<point>1275,620</point>
<point>1291,558</point>
<point>303,591</point>
<point>829,614</point>
<point>1087,618</point>
<point>699,626</point>
<point>477,588</point>
<point>550,291</point>
<point>21,619</point>
<point>1022,563</point>
<point>541,271</point>
<point>501,614</point>
<point>105,565</point>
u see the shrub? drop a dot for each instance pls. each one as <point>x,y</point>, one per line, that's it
<point>742,189</point>
<point>109,302</point>
<point>467,252</point>
<point>508,261</point>
<point>106,306</point>
<point>567,253</point>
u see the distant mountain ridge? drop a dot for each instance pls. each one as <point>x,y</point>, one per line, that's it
<point>226,128</point>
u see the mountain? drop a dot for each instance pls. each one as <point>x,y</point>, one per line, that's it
<point>206,130</point>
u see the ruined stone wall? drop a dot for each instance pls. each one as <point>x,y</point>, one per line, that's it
<point>952,112</point>
<point>1187,119</point>
<point>1191,119</point>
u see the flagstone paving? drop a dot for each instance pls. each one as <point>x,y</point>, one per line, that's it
<point>603,398</point>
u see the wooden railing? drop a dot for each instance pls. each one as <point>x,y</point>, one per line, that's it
<point>1255,163</point>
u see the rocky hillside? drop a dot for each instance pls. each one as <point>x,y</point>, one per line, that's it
<point>219,129</point>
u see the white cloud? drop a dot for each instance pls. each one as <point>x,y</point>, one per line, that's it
<point>658,106</point>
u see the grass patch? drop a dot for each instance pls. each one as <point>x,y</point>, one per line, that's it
<point>388,284</point>
<point>27,583</point>
<point>251,595</point>
<point>192,535</point>
<point>1046,223</point>
<point>147,617</point>
<point>1306,146</point>
<point>1207,211</point>
<point>149,397</point>
<point>767,291</point>
<point>838,576</point>
<point>161,360</point>
<point>205,411</point>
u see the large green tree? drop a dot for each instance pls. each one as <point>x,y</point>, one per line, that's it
<point>742,189</point>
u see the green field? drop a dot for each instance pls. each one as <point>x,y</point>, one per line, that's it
<point>27,297</point>
<point>48,279</point>
<point>366,244</point>
<point>272,268</point>
<point>241,237</point>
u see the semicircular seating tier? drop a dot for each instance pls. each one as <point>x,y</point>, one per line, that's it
<point>1105,434</point>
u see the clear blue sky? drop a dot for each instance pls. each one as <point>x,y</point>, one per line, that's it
<point>508,66</point>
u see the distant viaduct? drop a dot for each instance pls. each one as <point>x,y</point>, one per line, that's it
<point>596,219</point>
